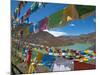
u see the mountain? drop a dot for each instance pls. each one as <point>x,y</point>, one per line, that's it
<point>46,39</point>
<point>90,37</point>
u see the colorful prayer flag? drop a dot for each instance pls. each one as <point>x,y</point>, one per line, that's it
<point>55,19</point>
<point>68,13</point>
<point>43,24</point>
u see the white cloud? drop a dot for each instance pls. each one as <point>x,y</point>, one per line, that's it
<point>56,33</point>
<point>72,25</point>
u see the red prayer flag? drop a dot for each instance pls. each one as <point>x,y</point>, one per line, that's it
<point>43,24</point>
<point>29,57</point>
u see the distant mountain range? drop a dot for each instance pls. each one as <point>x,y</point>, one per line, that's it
<point>45,38</point>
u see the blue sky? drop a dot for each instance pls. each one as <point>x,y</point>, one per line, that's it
<point>76,27</point>
<point>41,13</point>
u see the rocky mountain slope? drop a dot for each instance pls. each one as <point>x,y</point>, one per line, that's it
<point>45,38</point>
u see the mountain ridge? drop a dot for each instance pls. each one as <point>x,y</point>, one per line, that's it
<point>46,39</point>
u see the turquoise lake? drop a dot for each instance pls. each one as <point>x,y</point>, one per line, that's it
<point>78,46</point>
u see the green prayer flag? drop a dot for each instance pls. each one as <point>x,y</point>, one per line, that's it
<point>55,19</point>
<point>84,9</point>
